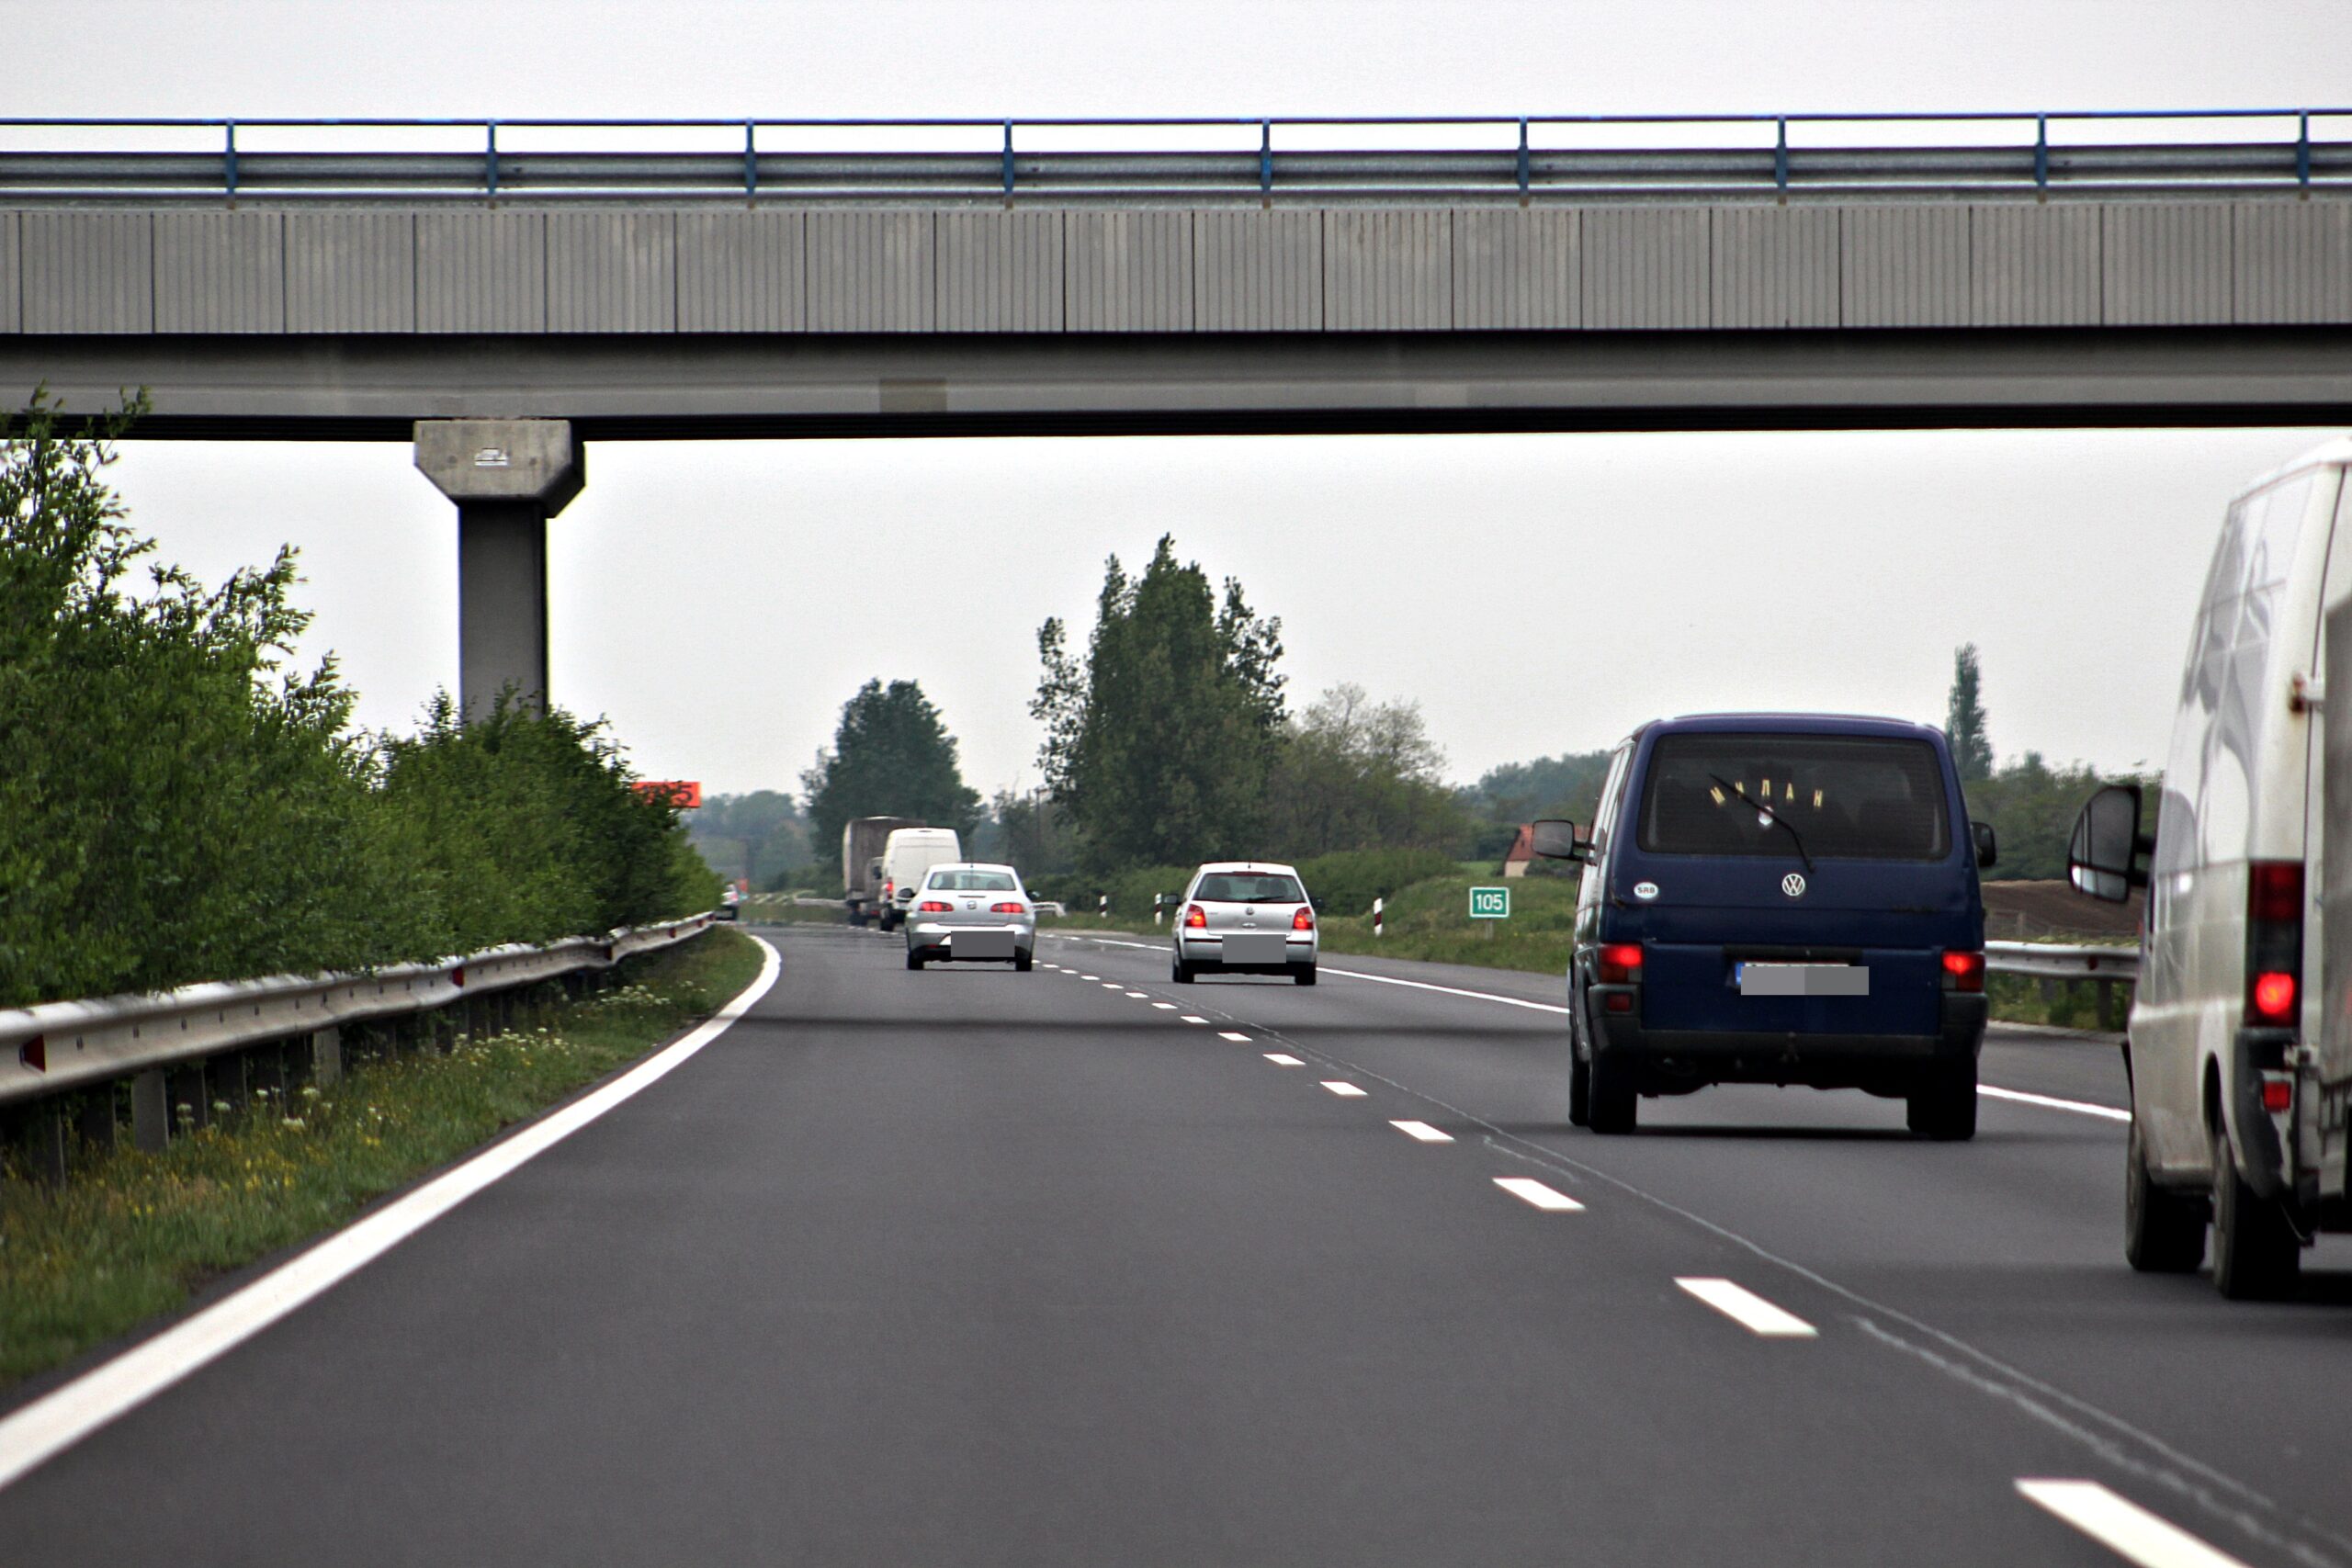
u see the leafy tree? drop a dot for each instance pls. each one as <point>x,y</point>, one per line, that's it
<point>1036,836</point>
<point>891,757</point>
<point>1159,741</point>
<point>756,836</point>
<point>1357,774</point>
<point>1972,748</point>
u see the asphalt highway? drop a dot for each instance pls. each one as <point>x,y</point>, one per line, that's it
<point>968,1266</point>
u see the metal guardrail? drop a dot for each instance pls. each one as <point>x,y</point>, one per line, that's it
<point>2053,962</point>
<point>59,1046</point>
<point>1541,157</point>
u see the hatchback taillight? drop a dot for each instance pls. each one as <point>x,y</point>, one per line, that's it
<point>2274,942</point>
<point>1963,969</point>
<point>1008,909</point>
<point>1620,963</point>
<point>1195,917</point>
<point>933,906</point>
<point>1304,921</point>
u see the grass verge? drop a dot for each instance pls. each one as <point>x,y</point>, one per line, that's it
<point>133,1234</point>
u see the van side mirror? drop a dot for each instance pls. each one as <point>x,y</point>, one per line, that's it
<point>1988,850</point>
<point>1556,838</point>
<point>2103,856</point>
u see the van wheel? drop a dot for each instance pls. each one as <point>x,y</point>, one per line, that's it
<point>2164,1232</point>
<point>1943,1105</point>
<point>1579,1090</point>
<point>914,959</point>
<point>1612,1104</point>
<point>2256,1253</point>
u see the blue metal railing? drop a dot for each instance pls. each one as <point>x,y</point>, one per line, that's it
<point>1516,136</point>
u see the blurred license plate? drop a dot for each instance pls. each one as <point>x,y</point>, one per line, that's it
<point>980,945</point>
<point>1254,947</point>
<point>1802,979</point>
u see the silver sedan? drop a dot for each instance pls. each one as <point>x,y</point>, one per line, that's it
<point>967,911</point>
<point>1245,917</point>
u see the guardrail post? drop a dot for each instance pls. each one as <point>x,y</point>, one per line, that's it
<point>326,1056</point>
<point>150,1112</point>
<point>1266,159</point>
<point>490,160</point>
<point>1008,162</point>
<point>2042,153</point>
<point>1781,157</point>
<point>750,162</point>
<point>229,164</point>
<point>2303,152</point>
<point>1524,162</point>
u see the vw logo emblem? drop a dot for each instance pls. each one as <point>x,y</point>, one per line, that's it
<point>1792,884</point>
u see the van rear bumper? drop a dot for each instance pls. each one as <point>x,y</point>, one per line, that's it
<point>1675,1061</point>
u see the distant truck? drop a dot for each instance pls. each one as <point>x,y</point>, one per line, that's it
<point>862,841</point>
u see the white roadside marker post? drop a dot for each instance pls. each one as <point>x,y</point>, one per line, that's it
<point>1377,906</point>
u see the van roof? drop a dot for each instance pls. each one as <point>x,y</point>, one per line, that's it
<point>2337,452</point>
<point>1799,724</point>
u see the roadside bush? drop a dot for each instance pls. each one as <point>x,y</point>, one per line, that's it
<point>1348,882</point>
<point>177,805</point>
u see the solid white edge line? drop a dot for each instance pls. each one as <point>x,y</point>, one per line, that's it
<point>2048,1102</point>
<point>1238,1039</point>
<point>1527,1189</point>
<point>58,1419</point>
<point>1283,1059</point>
<point>1748,1310</point>
<point>2123,1527</point>
<point>1422,1132</point>
<point>1343,1088</point>
<point>2079,1107</point>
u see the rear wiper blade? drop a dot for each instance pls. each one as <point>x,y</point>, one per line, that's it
<point>1771,819</point>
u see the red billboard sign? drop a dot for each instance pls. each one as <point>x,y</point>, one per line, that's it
<point>684,793</point>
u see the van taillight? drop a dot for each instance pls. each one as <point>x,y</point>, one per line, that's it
<point>1963,969</point>
<point>2274,942</point>
<point>1195,917</point>
<point>1620,962</point>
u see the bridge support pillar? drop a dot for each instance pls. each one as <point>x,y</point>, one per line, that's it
<point>508,477</point>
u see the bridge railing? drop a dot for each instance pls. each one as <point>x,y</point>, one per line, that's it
<point>1321,159</point>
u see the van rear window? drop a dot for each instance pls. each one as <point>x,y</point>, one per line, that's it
<point>1848,797</point>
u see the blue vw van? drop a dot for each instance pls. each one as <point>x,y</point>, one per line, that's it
<point>1781,898</point>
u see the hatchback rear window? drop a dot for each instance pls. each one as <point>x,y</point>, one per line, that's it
<point>971,881</point>
<point>1847,797</point>
<point>1248,887</point>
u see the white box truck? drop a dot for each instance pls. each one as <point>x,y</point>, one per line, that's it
<point>862,841</point>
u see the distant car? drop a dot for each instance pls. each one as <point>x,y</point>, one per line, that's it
<point>1244,918</point>
<point>728,899</point>
<point>965,911</point>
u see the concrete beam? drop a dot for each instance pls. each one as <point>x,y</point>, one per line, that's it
<point>508,477</point>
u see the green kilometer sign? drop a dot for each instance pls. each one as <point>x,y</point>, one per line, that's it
<point>1491,903</point>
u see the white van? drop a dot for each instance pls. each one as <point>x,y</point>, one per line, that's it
<point>2226,1049</point>
<point>907,854</point>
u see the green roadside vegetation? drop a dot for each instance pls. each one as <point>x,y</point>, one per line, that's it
<point>130,1234</point>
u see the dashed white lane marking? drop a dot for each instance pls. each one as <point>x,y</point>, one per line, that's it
<point>57,1420</point>
<point>2123,1527</point>
<point>1422,1132</point>
<point>2079,1107</point>
<point>1533,1191</point>
<point>1089,976</point>
<point>1165,1006</point>
<point>1343,1088</point>
<point>1748,1310</point>
<point>1110,984</point>
<point>1238,1039</point>
<point>1140,996</point>
<point>1283,1059</point>
<point>1194,1018</point>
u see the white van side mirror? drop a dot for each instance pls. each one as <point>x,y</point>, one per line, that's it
<point>2103,856</point>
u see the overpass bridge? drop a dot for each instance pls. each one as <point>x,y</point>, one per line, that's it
<point>636,279</point>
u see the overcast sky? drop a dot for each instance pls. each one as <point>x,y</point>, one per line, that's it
<point>1534,593</point>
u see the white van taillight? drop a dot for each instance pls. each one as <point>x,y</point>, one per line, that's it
<point>2274,943</point>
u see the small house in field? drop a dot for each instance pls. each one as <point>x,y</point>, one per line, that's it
<point>1521,853</point>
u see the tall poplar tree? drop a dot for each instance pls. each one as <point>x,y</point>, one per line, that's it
<point>1159,739</point>
<point>891,757</point>
<point>1972,748</point>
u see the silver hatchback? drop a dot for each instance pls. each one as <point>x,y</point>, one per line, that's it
<point>1245,917</point>
<point>967,911</point>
